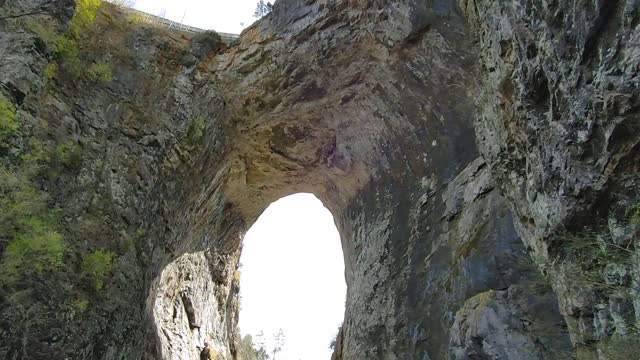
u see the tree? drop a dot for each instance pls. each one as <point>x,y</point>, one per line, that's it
<point>334,340</point>
<point>248,350</point>
<point>332,344</point>
<point>278,340</point>
<point>262,9</point>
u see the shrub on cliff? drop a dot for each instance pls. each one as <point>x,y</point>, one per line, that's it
<point>66,47</point>
<point>100,73</point>
<point>28,227</point>
<point>8,123</point>
<point>68,154</point>
<point>195,131</point>
<point>35,249</point>
<point>86,11</point>
<point>97,265</point>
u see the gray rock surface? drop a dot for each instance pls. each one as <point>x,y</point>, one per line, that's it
<point>558,122</point>
<point>509,324</point>
<point>450,139</point>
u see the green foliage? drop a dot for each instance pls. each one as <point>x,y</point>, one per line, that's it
<point>69,154</point>
<point>98,264</point>
<point>191,140</point>
<point>66,47</point>
<point>137,18</point>
<point>80,305</point>
<point>28,227</point>
<point>67,52</point>
<point>86,11</point>
<point>34,244</point>
<point>195,131</point>
<point>100,73</point>
<point>8,122</point>
<point>37,159</point>
<point>19,202</point>
<point>43,27</point>
<point>76,305</point>
<point>37,248</point>
<point>51,71</point>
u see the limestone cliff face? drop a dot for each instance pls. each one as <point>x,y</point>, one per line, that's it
<point>453,141</point>
<point>558,121</point>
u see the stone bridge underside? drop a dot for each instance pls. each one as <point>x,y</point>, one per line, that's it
<point>450,140</point>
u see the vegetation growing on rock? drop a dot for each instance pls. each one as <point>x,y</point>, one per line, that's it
<point>50,270</point>
<point>195,131</point>
<point>28,227</point>
<point>97,265</point>
<point>597,267</point>
<point>428,199</point>
<point>68,154</point>
<point>66,46</point>
<point>100,73</point>
<point>8,122</point>
<point>51,71</point>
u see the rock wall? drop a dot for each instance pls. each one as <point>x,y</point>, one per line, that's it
<point>558,122</point>
<point>450,139</point>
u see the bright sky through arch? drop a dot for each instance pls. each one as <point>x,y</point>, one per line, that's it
<point>292,277</point>
<point>220,15</point>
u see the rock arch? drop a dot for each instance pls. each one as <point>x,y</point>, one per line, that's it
<point>372,111</point>
<point>432,130</point>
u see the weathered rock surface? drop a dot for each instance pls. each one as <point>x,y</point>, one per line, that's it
<point>448,138</point>
<point>189,308</point>
<point>559,125</point>
<point>509,324</point>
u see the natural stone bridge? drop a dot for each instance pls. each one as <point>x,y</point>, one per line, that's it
<point>174,25</point>
<point>451,140</point>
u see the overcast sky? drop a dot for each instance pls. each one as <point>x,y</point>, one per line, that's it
<point>220,15</point>
<point>292,277</point>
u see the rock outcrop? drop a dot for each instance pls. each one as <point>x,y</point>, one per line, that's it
<point>509,324</point>
<point>559,125</point>
<point>479,158</point>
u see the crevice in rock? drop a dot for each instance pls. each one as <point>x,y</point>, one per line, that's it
<point>190,311</point>
<point>604,21</point>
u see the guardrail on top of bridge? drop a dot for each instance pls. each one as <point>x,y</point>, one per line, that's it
<point>170,24</point>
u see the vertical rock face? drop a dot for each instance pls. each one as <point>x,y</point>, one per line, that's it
<point>189,308</point>
<point>448,138</point>
<point>559,124</point>
<point>509,324</point>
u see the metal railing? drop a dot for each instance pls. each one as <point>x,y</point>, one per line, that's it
<point>170,24</point>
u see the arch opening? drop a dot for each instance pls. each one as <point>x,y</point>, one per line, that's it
<point>292,284</point>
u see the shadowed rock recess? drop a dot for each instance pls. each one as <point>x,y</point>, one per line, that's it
<point>480,158</point>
